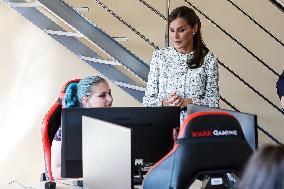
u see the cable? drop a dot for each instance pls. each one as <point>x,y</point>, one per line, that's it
<point>20,184</point>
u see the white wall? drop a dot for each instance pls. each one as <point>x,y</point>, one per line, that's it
<point>33,69</point>
<point>228,52</point>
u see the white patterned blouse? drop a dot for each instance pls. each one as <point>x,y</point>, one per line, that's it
<point>169,72</point>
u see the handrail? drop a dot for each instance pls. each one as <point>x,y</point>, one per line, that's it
<point>234,39</point>
<point>113,73</point>
<point>105,42</point>
<point>167,38</point>
<point>254,21</point>
<point>257,92</point>
<point>258,126</point>
<point>253,89</point>
<point>278,4</point>
<point>153,9</point>
<point>237,76</point>
<point>162,16</point>
<point>265,132</point>
<point>128,25</point>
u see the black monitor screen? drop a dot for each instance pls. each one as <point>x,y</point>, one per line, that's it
<point>151,133</point>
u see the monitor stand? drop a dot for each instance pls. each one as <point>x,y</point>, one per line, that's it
<point>78,183</point>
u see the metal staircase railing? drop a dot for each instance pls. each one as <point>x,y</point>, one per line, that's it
<point>118,52</point>
<point>256,23</point>
<point>258,126</point>
<point>161,16</point>
<point>234,39</point>
<point>97,36</point>
<point>222,64</point>
<point>127,25</point>
<point>81,50</point>
<point>227,68</point>
<point>278,4</point>
<point>252,88</point>
<point>153,9</point>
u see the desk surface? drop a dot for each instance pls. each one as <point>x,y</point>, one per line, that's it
<point>60,184</point>
<point>64,184</point>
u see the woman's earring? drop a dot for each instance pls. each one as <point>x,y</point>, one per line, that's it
<point>193,33</point>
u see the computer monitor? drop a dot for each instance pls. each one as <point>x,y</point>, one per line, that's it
<point>101,142</point>
<point>247,121</point>
<point>151,131</point>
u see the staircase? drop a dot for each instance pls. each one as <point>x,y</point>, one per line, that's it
<point>247,36</point>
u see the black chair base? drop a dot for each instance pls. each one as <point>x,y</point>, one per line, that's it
<point>219,181</point>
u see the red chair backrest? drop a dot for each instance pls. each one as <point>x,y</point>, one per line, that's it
<point>207,142</point>
<point>51,124</point>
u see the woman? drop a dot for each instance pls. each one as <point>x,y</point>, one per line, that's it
<point>185,72</point>
<point>265,169</point>
<point>280,89</point>
<point>90,92</point>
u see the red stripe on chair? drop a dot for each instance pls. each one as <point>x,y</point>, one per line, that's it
<point>181,131</point>
<point>45,139</point>
<point>194,115</point>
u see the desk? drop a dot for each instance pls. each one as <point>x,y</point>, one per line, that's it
<point>40,185</point>
<point>62,184</point>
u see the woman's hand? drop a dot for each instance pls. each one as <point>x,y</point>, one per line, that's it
<point>169,100</point>
<point>175,100</point>
<point>184,102</point>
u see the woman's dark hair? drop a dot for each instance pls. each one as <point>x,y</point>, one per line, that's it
<point>199,48</point>
<point>265,169</point>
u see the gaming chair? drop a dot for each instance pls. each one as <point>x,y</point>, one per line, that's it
<point>208,145</point>
<point>50,125</point>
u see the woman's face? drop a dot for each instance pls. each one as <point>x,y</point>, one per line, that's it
<point>181,34</point>
<point>100,98</point>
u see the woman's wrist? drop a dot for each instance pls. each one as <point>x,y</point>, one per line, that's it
<point>186,101</point>
<point>165,102</point>
<point>189,100</point>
